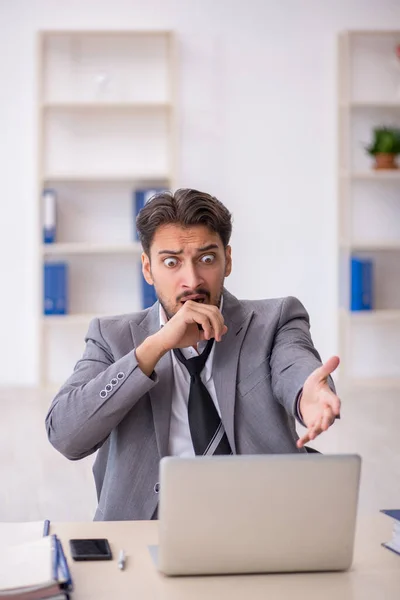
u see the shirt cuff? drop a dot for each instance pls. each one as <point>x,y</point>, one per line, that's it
<point>298,414</point>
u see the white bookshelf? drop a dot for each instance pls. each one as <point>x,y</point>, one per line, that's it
<point>107,125</point>
<point>368,209</point>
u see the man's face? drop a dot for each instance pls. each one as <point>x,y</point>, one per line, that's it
<point>186,263</point>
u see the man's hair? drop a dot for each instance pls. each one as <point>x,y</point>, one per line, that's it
<point>186,208</point>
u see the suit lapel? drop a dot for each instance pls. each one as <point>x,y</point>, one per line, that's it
<point>161,394</point>
<point>224,369</point>
<point>226,359</point>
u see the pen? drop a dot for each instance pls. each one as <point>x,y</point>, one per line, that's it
<point>46,528</point>
<point>121,560</point>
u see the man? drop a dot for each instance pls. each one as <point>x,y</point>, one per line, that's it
<point>200,372</point>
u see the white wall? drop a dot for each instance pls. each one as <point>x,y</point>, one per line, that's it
<point>258,130</point>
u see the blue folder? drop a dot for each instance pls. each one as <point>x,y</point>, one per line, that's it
<point>55,288</point>
<point>361,284</point>
<point>394,544</point>
<point>140,197</point>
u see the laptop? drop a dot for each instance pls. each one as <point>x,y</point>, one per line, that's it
<point>257,514</point>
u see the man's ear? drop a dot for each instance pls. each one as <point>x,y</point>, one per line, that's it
<point>228,261</point>
<point>146,268</point>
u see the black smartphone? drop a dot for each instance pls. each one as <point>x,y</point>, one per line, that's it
<point>94,549</point>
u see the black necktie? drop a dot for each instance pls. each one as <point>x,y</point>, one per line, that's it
<point>206,429</point>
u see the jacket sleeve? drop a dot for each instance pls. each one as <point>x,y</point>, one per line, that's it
<point>95,398</point>
<point>293,356</point>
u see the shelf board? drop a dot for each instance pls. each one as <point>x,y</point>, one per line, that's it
<point>76,319</point>
<point>377,383</point>
<point>372,32</point>
<point>371,104</point>
<point>156,178</point>
<point>371,246</point>
<point>87,248</point>
<point>379,175</point>
<point>106,105</point>
<point>106,32</point>
<point>371,316</point>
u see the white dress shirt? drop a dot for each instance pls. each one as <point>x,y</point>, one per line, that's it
<point>180,441</point>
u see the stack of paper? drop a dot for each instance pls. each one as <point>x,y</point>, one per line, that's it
<point>34,570</point>
<point>394,543</point>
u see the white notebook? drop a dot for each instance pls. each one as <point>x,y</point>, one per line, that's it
<point>27,567</point>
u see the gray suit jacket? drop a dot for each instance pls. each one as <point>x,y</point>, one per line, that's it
<point>109,405</point>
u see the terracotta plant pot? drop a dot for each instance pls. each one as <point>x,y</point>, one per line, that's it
<point>385,161</point>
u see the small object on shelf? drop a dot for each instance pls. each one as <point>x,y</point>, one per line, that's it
<point>385,147</point>
<point>149,295</point>
<point>394,543</point>
<point>55,288</point>
<point>49,198</point>
<point>361,284</point>
<point>140,197</point>
<point>103,83</point>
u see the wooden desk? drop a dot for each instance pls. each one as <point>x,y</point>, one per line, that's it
<point>375,573</point>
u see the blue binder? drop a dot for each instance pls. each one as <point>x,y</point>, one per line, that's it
<point>394,543</point>
<point>140,197</point>
<point>49,199</point>
<point>55,288</point>
<point>361,287</point>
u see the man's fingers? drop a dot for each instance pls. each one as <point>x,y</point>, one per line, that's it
<point>216,319</point>
<point>316,430</point>
<point>303,440</point>
<point>331,400</point>
<point>209,318</point>
<point>326,369</point>
<point>317,427</point>
<point>204,321</point>
<point>311,434</point>
<point>328,418</point>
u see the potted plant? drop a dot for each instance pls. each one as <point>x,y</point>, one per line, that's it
<point>385,147</point>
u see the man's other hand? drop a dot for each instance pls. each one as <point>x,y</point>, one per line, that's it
<point>319,406</point>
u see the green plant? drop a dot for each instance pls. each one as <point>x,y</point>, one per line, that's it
<point>386,141</point>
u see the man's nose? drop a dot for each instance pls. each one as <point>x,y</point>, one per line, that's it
<point>191,277</point>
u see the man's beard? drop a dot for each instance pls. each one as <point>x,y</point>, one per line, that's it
<point>168,309</point>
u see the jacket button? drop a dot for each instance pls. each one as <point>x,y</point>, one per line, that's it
<point>114,381</point>
<point>103,394</point>
<point>157,488</point>
<point>120,375</point>
<point>108,387</point>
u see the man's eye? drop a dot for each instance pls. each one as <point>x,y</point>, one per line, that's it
<point>208,259</point>
<point>170,262</point>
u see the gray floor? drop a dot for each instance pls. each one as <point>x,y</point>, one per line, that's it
<point>39,483</point>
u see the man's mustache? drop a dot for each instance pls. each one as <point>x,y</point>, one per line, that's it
<point>201,291</point>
